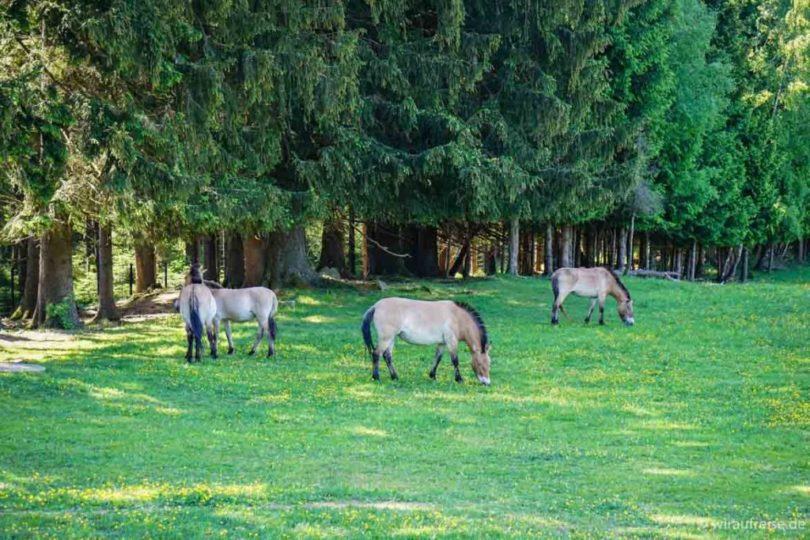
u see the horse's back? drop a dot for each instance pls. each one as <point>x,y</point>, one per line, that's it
<point>244,304</point>
<point>206,305</point>
<point>417,321</point>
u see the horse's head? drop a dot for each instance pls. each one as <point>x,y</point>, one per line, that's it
<point>194,274</point>
<point>480,363</point>
<point>626,312</point>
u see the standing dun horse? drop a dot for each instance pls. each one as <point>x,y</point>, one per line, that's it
<point>442,323</point>
<point>595,283</point>
<point>241,305</point>
<point>198,309</point>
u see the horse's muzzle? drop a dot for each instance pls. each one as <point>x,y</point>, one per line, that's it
<point>484,380</point>
<point>630,322</point>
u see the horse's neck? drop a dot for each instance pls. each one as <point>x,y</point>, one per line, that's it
<point>617,292</point>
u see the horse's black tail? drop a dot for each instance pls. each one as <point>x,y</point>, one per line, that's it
<point>366,328</point>
<point>194,315</point>
<point>271,325</point>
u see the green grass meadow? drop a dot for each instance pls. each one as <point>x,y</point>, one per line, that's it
<point>689,424</point>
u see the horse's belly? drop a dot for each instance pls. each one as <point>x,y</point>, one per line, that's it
<point>418,336</point>
<point>586,292</point>
<point>236,315</point>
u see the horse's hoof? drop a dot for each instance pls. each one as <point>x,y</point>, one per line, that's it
<point>554,323</point>
<point>459,379</point>
<point>432,375</point>
<point>214,356</point>
<point>394,377</point>
<point>230,351</point>
<point>375,377</point>
<point>251,353</point>
<point>601,323</point>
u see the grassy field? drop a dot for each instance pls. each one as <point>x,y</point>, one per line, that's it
<point>691,423</point>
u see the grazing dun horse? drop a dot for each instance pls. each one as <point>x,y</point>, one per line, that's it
<point>199,309</point>
<point>442,323</point>
<point>241,305</point>
<point>595,283</point>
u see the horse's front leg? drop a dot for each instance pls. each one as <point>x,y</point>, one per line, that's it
<point>602,309</point>
<point>454,359</point>
<point>590,311</point>
<point>436,360</point>
<point>228,335</point>
<point>190,337</point>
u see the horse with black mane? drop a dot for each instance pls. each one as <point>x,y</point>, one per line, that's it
<point>442,323</point>
<point>198,309</point>
<point>596,283</point>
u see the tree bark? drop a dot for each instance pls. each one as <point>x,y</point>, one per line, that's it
<point>383,245</point>
<point>106,290</point>
<point>145,268</point>
<point>211,259</point>
<point>565,248</point>
<point>514,244</point>
<point>253,248</point>
<point>630,240</point>
<point>622,249</point>
<point>770,257</point>
<point>56,306</point>
<point>234,261</point>
<point>332,246</point>
<point>548,250</point>
<point>424,251</point>
<point>352,244</point>
<point>744,266</point>
<point>28,300</point>
<point>192,251</point>
<point>289,262</point>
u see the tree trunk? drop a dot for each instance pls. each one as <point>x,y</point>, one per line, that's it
<point>465,273</point>
<point>630,240</point>
<point>234,261</point>
<point>28,301</point>
<point>289,262</point>
<point>647,257</point>
<point>565,248</point>
<point>192,252</point>
<point>690,271</point>
<point>622,240</point>
<point>56,306</point>
<point>384,246</point>
<point>514,243</point>
<point>770,257</point>
<point>352,244</point>
<point>144,266</point>
<point>106,291</point>
<point>332,246</point>
<point>210,252</point>
<point>253,248</point>
<point>744,266</point>
<point>548,250</point>
<point>424,251</point>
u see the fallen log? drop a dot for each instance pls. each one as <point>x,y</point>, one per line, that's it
<point>672,276</point>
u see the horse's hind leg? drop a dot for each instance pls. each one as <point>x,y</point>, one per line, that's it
<point>259,335</point>
<point>212,341</point>
<point>190,337</point>
<point>271,336</point>
<point>387,349</point>
<point>437,359</point>
<point>198,347</point>
<point>602,309</point>
<point>558,300</point>
<point>590,311</point>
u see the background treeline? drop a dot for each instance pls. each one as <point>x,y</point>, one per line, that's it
<point>423,138</point>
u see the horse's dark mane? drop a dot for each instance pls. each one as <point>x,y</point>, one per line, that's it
<point>478,322</point>
<point>196,276</point>
<point>618,282</point>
